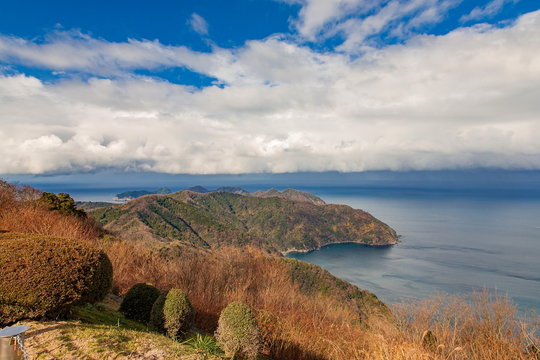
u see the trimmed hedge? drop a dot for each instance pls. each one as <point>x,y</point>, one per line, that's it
<point>43,276</point>
<point>172,313</point>
<point>157,319</point>
<point>238,333</point>
<point>138,302</point>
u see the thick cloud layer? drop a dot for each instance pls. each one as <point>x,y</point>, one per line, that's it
<point>466,99</point>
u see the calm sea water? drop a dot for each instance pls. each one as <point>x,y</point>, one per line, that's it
<point>452,242</point>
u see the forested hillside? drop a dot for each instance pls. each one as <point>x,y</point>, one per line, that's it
<point>274,223</point>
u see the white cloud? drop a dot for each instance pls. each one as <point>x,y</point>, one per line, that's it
<point>315,14</point>
<point>465,99</point>
<point>490,9</point>
<point>198,24</point>
<point>421,12</point>
<point>74,51</point>
<point>359,19</point>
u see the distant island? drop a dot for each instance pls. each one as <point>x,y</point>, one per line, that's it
<point>277,221</point>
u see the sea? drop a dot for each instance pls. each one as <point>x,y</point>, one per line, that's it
<point>452,242</point>
<point>458,232</point>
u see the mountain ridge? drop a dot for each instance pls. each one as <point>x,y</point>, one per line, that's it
<point>130,195</point>
<point>288,193</point>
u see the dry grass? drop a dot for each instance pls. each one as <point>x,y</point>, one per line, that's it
<point>478,326</point>
<point>296,326</point>
<point>20,212</point>
<point>481,326</point>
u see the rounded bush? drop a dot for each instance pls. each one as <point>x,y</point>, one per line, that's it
<point>172,312</point>
<point>138,301</point>
<point>156,315</point>
<point>43,276</point>
<point>237,331</point>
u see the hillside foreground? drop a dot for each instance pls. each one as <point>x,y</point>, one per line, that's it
<point>304,313</point>
<point>100,332</point>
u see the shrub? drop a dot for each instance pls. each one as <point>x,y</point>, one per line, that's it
<point>156,314</point>
<point>172,312</point>
<point>138,301</point>
<point>63,203</point>
<point>43,276</point>
<point>237,331</point>
<point>178,313</point>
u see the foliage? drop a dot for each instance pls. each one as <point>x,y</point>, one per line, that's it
<point>157,318</point>
<point>178,313</point>
<point>237,331</point>
<point>172,312</point>
<point>138,301</point>
<point>44,276</point>
<point>63,203</point>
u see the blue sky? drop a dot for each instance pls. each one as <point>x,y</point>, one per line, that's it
<point>230,22</point>
<point>246,86</point>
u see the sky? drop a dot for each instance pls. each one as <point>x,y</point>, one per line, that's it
<point>268,86</point>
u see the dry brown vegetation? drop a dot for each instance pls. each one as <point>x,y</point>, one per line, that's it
<point>481,326</point>
<point>21,213</point>
<point>298,326</point>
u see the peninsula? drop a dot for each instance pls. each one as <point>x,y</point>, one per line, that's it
<point>276,221</point>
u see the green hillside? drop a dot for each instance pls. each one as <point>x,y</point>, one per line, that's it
<point>222,218</point>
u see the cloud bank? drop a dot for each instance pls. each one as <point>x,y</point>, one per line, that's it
<point>465,99</point>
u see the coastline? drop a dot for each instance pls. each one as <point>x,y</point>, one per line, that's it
<point>303,251</point>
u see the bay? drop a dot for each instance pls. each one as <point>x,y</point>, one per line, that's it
<point>451,242</point>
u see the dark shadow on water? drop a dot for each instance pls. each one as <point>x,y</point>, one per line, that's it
<point>352,246</point>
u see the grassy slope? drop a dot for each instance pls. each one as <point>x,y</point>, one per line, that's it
<point>100,332</point>
<point>219,218</point>
<point>313,280</point>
